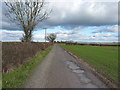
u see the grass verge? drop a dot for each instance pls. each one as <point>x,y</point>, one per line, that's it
<point>16,78</point>
<point>104,59</point>
<point>0,80</point>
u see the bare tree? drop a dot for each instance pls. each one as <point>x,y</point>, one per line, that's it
<point>27,15</point>
<point>51,37</point>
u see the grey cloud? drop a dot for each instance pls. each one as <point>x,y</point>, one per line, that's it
<point>5,22</point>
<point>70,14</point>
<point>87,14</point>
<point>9,26</point>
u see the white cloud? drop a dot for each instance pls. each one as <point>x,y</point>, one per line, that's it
<point>68,32</point>
<point>67,36</point>
<point>11,35</point>
<point>38,37</point>
<point>107,29</point>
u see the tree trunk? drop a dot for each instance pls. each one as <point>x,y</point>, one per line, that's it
<point>27,37</point>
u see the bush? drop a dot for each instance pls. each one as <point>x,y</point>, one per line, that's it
<point>17,53</point>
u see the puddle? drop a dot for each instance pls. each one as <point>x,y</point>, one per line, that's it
<point>68,62</point>
<point>78,71</point>
<point>90,86</point>
<point>84,79</point>
<point>72,65</point>
<point>80,75</point>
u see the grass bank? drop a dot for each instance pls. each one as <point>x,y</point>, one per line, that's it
<point>16,78</point>
<point>103,58</point>
<point>0,80</point>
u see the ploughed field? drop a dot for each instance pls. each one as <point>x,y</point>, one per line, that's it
<point>103,58</point>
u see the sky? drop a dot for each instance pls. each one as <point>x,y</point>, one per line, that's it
<point>71,20</point>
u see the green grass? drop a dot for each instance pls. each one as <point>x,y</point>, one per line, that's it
<point>0,80</point>
<point>16,78</point>
<point>103,58</point>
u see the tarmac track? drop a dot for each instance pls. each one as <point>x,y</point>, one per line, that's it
<point>61,70</point>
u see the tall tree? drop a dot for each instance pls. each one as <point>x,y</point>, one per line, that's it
<point>27,14</point>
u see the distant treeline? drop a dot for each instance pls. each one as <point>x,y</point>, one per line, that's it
<point>91,44</point>
<point>17,53</point>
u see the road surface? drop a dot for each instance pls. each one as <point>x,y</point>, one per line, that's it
<point>61,70</point>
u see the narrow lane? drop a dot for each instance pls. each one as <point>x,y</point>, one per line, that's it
<point>61,70</point>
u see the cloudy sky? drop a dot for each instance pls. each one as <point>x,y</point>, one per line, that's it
<point>77,20</point>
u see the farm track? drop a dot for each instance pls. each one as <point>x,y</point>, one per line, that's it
<point>61,70</point>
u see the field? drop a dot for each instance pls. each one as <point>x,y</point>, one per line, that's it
<point>103,58</point>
